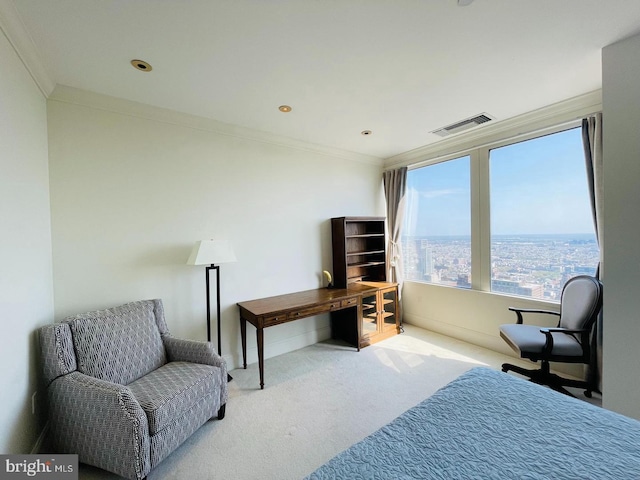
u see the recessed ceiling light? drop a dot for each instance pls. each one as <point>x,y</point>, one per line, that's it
<point>285,108</point>
<point>141,65</point>
<point>366,132</point>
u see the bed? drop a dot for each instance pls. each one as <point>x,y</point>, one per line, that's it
<point>490,425</point>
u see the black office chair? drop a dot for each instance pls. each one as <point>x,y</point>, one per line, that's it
<point>580,305</point>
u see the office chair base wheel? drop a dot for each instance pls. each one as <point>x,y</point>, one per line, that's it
<point>544,377</point>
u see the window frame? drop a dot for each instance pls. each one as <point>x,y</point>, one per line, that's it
<point>448,158</point>
<point>480,195</point>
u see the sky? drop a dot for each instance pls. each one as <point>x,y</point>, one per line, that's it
<point>536,187</point>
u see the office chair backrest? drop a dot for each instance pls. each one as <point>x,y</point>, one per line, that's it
<point>581,302</point>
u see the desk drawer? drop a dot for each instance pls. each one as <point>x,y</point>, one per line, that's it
<point>335,305</point>
<point>308,312</point>
<point>349,302</point>
<point>275,319</point>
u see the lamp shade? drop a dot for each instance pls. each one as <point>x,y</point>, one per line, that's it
<point>209,252</point>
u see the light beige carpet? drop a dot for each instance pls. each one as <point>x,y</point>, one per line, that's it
<point>317,401</point>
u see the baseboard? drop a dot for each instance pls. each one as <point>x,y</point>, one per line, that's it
<point>40,441</point>
<point>276,348</point>
<point>490,342</point>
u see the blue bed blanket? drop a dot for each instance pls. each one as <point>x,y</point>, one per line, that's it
<point>491,425</point>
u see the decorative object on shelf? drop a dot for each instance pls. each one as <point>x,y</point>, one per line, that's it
<point>327,276</point>
<point>212,253</point>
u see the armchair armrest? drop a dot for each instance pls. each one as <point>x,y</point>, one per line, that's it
<point>520,311</point>
<point>179,350</point>
<point>85,412</point>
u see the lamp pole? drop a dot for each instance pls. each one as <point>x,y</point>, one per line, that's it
<point>206,277</point>
<point>210,252</point>
<point>207,273</point>
<point>217,269</point>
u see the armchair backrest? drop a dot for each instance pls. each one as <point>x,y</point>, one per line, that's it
<point>581,302</point>
<point>119,344</point>
<point>58,356</point>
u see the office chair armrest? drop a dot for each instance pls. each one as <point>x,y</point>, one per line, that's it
<point>520,311</point>
<point>548,346</point>
<point>562,330</point>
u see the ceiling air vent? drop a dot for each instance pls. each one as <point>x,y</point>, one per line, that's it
<point>463,125</point>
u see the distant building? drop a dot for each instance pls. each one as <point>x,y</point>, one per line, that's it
<point>514,287</point>
<point>463,281</point>
<point>584,270</point>
<point>428,263</point>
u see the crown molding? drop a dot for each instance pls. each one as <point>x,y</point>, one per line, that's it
<point>122,106</point>
<point>555,114</point>
<point>14,29</point>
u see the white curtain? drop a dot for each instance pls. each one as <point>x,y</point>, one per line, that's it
<point>592,142</point>
<point>395,186</point>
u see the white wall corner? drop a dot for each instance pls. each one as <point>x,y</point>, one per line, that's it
<point>40,442</point>
<point>14,29</point>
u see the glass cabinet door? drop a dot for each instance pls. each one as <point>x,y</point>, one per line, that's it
<point>369,315</point>
<point>388,308</point>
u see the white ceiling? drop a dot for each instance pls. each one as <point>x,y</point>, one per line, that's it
<point>400,68</point>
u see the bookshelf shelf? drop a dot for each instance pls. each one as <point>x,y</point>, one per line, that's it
<point>359,249</point>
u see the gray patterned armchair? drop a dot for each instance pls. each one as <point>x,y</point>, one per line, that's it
<point>123,394</point>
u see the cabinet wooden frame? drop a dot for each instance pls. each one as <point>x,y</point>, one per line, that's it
<point>379,318</point>
<point>359,250</point>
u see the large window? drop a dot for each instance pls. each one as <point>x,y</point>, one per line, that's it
<point>542,230</point>
<point>528,230</point>
<point>437,240</point>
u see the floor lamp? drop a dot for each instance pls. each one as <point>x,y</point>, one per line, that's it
<point>212,253</point>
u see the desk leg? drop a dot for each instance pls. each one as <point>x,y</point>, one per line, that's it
<point>359,323</point>
<point>260,339</point>
<point>243,334</point>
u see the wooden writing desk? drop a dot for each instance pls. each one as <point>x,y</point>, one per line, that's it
<point>267,312</point>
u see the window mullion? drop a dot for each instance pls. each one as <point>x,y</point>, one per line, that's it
<point>480,221</point>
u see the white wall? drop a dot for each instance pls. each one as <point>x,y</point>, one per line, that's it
<point>26,290</point>
<point>621,253</point>
<point>469,315</point>
<point>133,187</point>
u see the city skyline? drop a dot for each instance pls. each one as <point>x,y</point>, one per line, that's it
<point>531,265</point>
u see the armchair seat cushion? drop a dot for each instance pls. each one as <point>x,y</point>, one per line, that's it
<point>172,390</point>
<point>528,339</point>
